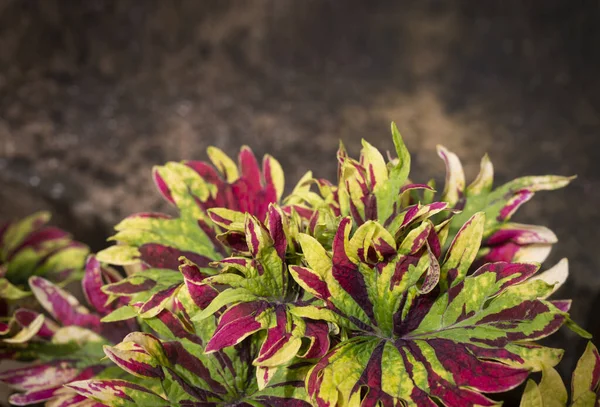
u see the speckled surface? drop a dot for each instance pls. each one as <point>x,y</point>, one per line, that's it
<point>92,95</point>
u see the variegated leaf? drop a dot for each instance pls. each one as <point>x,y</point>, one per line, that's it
<point>118,393</point>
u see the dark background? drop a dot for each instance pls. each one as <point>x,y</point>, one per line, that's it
<point>94,93</point>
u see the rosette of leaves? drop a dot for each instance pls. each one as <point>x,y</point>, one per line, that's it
<point>379,301</point>
<point>372,189</point>
<point>29,247</point>
<point>154,243</point>
<point>267,368</point>
<point>368,189</point>
<point>417,329</point>
<point>172,365</point>
<point>551,391</point>
<point>177,256</point>
<point>66,342</point>
<point>259,295</point>
<point>157,240</point>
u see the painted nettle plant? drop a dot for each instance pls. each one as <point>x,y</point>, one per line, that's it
<point>372,290</point>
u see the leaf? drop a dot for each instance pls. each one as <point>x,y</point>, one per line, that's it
<point>531,396</point>
<point>119,255</point>
<point>455,177</point>
<point>39,376</point>
<point>462,251</point>
<point>401,170</point>
<point>285,388</point>
<point>160,241</point>
<point>587,399</point>
<point>229,296</point>
<point>94,278</point>
<point>9,291</point>
<point>485,179</point>
<point>228,218</point>
<point>61,305</point>
<point>315,255</point>
<point>76,334</point>
<point>131,285</point>
<point>237,323</point>
<point>552,389</point>
<point>274,177</point>
<point>224,164</point>
<point>374,164</point>
<point>158,301</point>
<point>43,382</point>
<point>120,314</point>
<point>129,357</point>
<point>517,242</point>
<point>586,375</point>
<point>26,319</point>
<point>202,294</point>
<point>27,332</point>
<point>555,276</point>
<point>118,393</point>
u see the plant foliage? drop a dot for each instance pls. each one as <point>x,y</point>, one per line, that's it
<point>552,392</point>
<point>370,291</point>
<point>29,247</point>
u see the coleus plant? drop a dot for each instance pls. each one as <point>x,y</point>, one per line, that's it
<point>66,341</point>
<point>30,247</point>
<point>370,291</point>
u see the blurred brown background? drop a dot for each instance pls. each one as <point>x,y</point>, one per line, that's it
<point>94,93</point>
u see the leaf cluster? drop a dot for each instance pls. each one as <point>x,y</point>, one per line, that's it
<point>371,291</point>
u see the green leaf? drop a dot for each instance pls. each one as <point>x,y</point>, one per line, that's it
<point>11,292</point>
<point>119,255</point>
<point>531,396</point>
<point>463,250</point>
<point>121,314</point>
<point>224,164</point>
<point>586,375</point>
<point>587,399</point>
<point>485,179</point>
<point>401,170</point>
<point>552,389</point>
<point>227,297</point>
